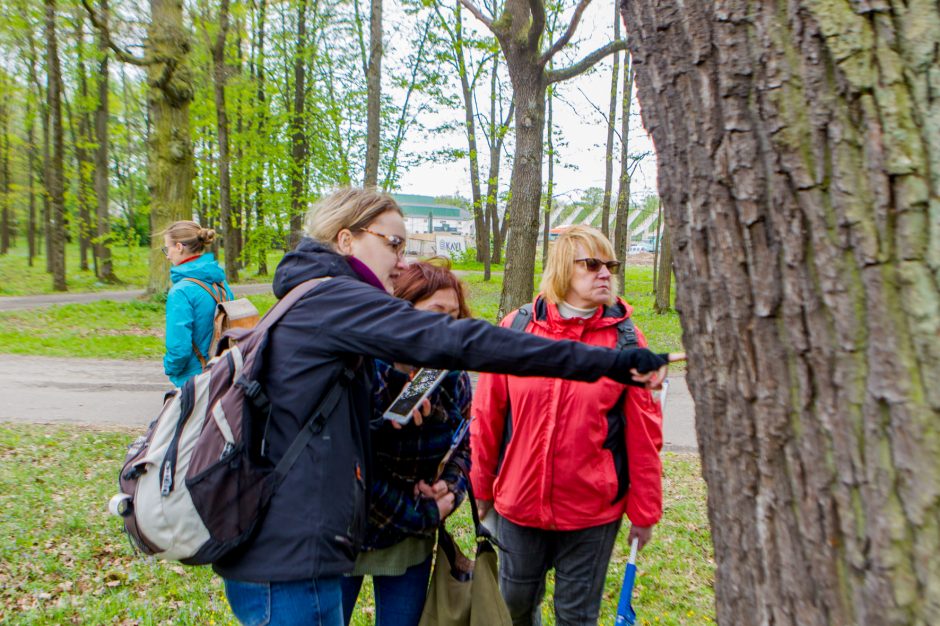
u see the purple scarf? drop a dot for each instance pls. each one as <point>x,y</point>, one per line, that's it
<point>364,272</point>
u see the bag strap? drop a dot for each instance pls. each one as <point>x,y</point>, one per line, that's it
<point>314,425</point>
<point>213,291</point>
<point>522,318</point>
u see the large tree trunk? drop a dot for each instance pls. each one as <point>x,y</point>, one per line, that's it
<point>171,151</point>
<point>374,95</point>
<point>611,124</point>
<point>81,137</point>
<point>622,221</point>
<point>525,186</point>
<point>298,183</point>
<point>799,159</point>
<point>56,181</point>
<point>226,219</point>
<point>103,219</point>
<point>261,125</point>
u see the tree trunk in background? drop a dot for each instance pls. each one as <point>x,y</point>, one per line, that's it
<point>658,248</point>
<point>56,181</point>
<point>550,189</point>
<point>261,124</point>
<point>622,223</point>
<point>30,181</point>
<point>374,96</point>
<point>5,221</point>
<point>226,219</point>
<point>497,135</point>
<point>298,137</point>
<point>799,154</point>
<point>102,183</point>
<point>171,151</point>
<point>81,135</point>
<point>611,123</point>
<point>663,302</point>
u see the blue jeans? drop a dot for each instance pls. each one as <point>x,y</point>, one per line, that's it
<point>314,602</point>
<point>399,600</point>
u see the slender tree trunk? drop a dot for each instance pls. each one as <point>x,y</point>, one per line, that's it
<point>261,127</point>
<point>81,135</point>
<point>102,183</point>
<point>30,181</point>
<point>800,177</point>
<point>550,189</point>
<point>622,223</point>
<point>664,276</point>
<point>5,221</point>
<point>374,96</point>
<point>657,250</point>
<point>611,123</point>
<point>56,184</point>
<point>171,152</point>
<point>226,218</point>
<point>298,184</point>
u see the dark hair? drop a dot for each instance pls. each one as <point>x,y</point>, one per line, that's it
<point>425,278</point>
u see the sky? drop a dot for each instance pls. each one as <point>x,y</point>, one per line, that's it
<point>580,163</point>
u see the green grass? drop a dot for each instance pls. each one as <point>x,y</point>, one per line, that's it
<point>64,560</point>
<point>17,278</point>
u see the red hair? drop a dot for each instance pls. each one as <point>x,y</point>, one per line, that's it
<point>425,278</point>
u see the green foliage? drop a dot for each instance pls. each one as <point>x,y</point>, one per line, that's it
<point>63,559</point>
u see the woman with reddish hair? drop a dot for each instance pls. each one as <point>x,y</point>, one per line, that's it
<point>407,504</point>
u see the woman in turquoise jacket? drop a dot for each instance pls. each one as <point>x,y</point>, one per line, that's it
<point>190,308</point>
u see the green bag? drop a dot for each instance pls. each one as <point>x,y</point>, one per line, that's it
<point>465,592</point>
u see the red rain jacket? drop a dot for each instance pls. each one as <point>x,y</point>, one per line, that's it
<point>569,458</point>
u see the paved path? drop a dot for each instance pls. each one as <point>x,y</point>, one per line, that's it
<point>16,303</point>
<point>130,393</point>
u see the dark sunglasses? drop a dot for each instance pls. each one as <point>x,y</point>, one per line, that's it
<point>394,242</point>
<point>594,265</point>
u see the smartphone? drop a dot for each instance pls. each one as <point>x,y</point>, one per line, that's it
<point>421,385</point>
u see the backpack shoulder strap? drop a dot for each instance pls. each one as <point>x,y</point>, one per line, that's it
<point>626,335</point>
<point>209,290</point>
<point>522,318</point>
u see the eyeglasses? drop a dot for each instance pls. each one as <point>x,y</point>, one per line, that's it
<point>594,265</point>
<point>165,251</point>
<point>396,243</point>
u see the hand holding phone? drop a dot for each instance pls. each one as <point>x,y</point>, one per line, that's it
<point>414,393</point>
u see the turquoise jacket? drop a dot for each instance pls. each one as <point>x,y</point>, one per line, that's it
<point>189,316</point>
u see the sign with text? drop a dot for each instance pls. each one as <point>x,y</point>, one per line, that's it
<point>450,245</point>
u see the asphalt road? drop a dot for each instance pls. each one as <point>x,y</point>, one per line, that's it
<point>108,393</point>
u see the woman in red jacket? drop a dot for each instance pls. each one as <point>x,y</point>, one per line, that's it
<point>562,461</point>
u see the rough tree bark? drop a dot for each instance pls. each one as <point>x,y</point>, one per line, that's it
<point>799,167</point>
<point>611,123</point>
<point>550,186</point>
<point>519,29</point>
<point>374,95</point>
<point>56,178</point>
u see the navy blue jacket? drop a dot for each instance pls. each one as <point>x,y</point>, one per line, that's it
<point>316,522</point>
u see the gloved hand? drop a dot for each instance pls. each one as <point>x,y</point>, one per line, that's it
<point>640,367</point>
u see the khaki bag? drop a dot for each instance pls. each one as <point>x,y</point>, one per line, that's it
<point>465,592</point>
<point>237,313</point>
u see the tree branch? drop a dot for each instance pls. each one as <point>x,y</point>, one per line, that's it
<point>554,76</point>
<point>477,13</point>
<point>572,27</point>
<point>537,7</point>
<point>121,53</point>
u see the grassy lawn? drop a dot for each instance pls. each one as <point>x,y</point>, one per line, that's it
<point>17,278</point>
<point>64,560</point>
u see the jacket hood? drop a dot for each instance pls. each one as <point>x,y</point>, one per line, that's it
<point>202,268</point>
<point>310,259</point>
<point>548,316</point>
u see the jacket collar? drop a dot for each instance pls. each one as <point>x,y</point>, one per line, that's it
<point>546,314</point>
